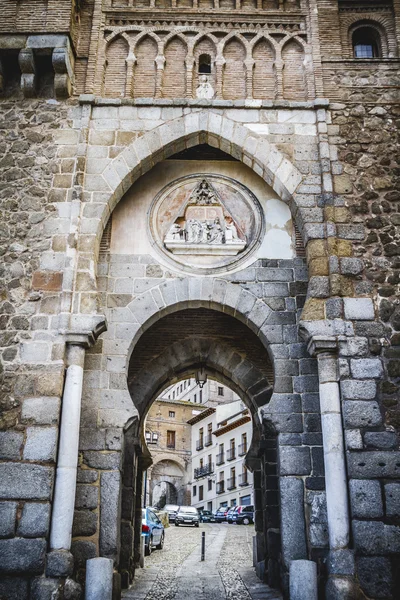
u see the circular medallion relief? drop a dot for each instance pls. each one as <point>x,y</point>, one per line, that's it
<point>205,222</point>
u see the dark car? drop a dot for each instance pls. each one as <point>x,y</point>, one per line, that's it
<point>206,516</point>
<point>231,512</point>
<point>220,514</point>
<point>187,515</point>
<point>171,509</point>
<point>152,531</point>
<point>244,515</point>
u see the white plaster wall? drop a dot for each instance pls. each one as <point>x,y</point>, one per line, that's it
<point>129,229</point>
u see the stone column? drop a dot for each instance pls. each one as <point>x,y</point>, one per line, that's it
<point>27,65</point>
<point>340,562</point>
<point>67,462</point>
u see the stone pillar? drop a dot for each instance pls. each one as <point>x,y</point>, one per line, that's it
<point>99,579</point>
<point>249,64</point>
<point>67,462</point>
<point>303,580</point>
<point>160,63</point>
<point>339,585</point>
<point>130,73</point>
<point>63,71</point>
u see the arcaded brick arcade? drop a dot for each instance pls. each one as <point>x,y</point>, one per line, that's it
<point>213,183</point>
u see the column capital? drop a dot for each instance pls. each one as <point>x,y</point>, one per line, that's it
<point>320,344</point>
<point>84,332</point>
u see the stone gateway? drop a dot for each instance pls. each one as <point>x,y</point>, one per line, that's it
<point>204,184</point>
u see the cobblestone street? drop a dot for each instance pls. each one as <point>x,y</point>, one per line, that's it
<point>176,572</point>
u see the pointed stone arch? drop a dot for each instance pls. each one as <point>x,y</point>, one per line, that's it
<point>202,127</point>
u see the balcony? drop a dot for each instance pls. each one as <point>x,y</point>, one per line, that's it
<point>220,459</point>
<point>208,440</point>
<point>231,454</point>
<point>220,487</point>
<point>242,450</point>
<point>231,483</point>
<point>243,480</point>
<point>200,444</point>
<point>204,470</point>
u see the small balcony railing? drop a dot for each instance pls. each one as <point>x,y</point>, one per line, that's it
<point>200,444</point>
<point>204,470</point>
<point>171,445</point>
<point>231,454</point>
<point>242,450</point>
<point>220,458</point>
<point>243,480</point>
<point>231,483</point>
<point>208,440</point>
<point>220,487</point>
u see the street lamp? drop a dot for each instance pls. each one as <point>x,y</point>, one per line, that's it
<point>201,377</point>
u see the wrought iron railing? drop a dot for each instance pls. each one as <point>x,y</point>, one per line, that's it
<point>220,487</point>
<point>204,470</point>
<point>242,449</point>
<point>231,483</point>
<point>231,454</point>
<point>220,458</point>
<point>243,480</point>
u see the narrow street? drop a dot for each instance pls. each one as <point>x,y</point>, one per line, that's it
<point>176,572</point>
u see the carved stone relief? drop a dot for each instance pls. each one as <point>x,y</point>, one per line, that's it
<point>205,221</point>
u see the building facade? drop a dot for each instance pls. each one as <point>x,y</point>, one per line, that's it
<point>200,183</point>
<point>211,393</point>
<point>168,438</point>
<point>221,438</point>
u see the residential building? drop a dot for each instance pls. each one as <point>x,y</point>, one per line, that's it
<point>221,438</point>
<point>212,393</point>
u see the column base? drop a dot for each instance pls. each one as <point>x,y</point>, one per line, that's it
<point>60,563</point>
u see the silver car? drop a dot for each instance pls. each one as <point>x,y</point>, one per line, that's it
<point>187,515</point>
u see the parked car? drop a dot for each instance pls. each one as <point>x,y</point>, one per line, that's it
<point>171,509</point>
<point>244,515</point>
<point>152,530</point>
<point>187,515</point>
<point>220,514</point>
<point>230,513</point>
<point>206,516</point>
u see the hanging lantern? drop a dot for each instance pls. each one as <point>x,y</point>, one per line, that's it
<point>201,377</point>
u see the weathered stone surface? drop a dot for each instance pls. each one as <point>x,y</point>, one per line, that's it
<point>59,563</point>
<point>72,590</point>
<point>292,519</point>
<point>103,460</point>
<point>362,414</point>
<point>375,575</point>
<point>383,440</point>
<point>25,481</point>
<point>19,554</point>
<point>10,445</point>
<point>358,390</point>
<point>359,309</point>
<point>366,499</point>
<point>82,551</point>
<point>86,496</point>
<point>392,495</point>
<point>8,512</point>
<point>42,411</point>
<point>35,520</point>
<point>294,461</point>
<point>45,589</point>
<point>14,588</point>
<point>109,513</point>
<point>41,443</point>
<point>374,464</point>
<point>85,523</point>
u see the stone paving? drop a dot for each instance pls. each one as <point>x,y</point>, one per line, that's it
<point>176,572</point>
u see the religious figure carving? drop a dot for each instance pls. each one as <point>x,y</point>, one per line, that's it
<point>204,89</point>
<point>204,226</point>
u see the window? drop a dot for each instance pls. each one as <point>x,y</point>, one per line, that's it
<point>170,439</point>
<point>173,395</point>
<point>205,64</point>
<point>201,463</point>
<point>148,435</point>
<point>209,429</point>
<point>201,492</point>
<point>181,388</point>
<point>194,490</point>
<point>209,485</point>
<point>154,437</point>
<point>366,43</point>
<point>195,398</point>
<point>210,460</point>
<point>233,502</point>
<point>184,384</point>
<point>201,396</point>
<point>172,414</point>
<point>220,391</point>
<point>209,506</point>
